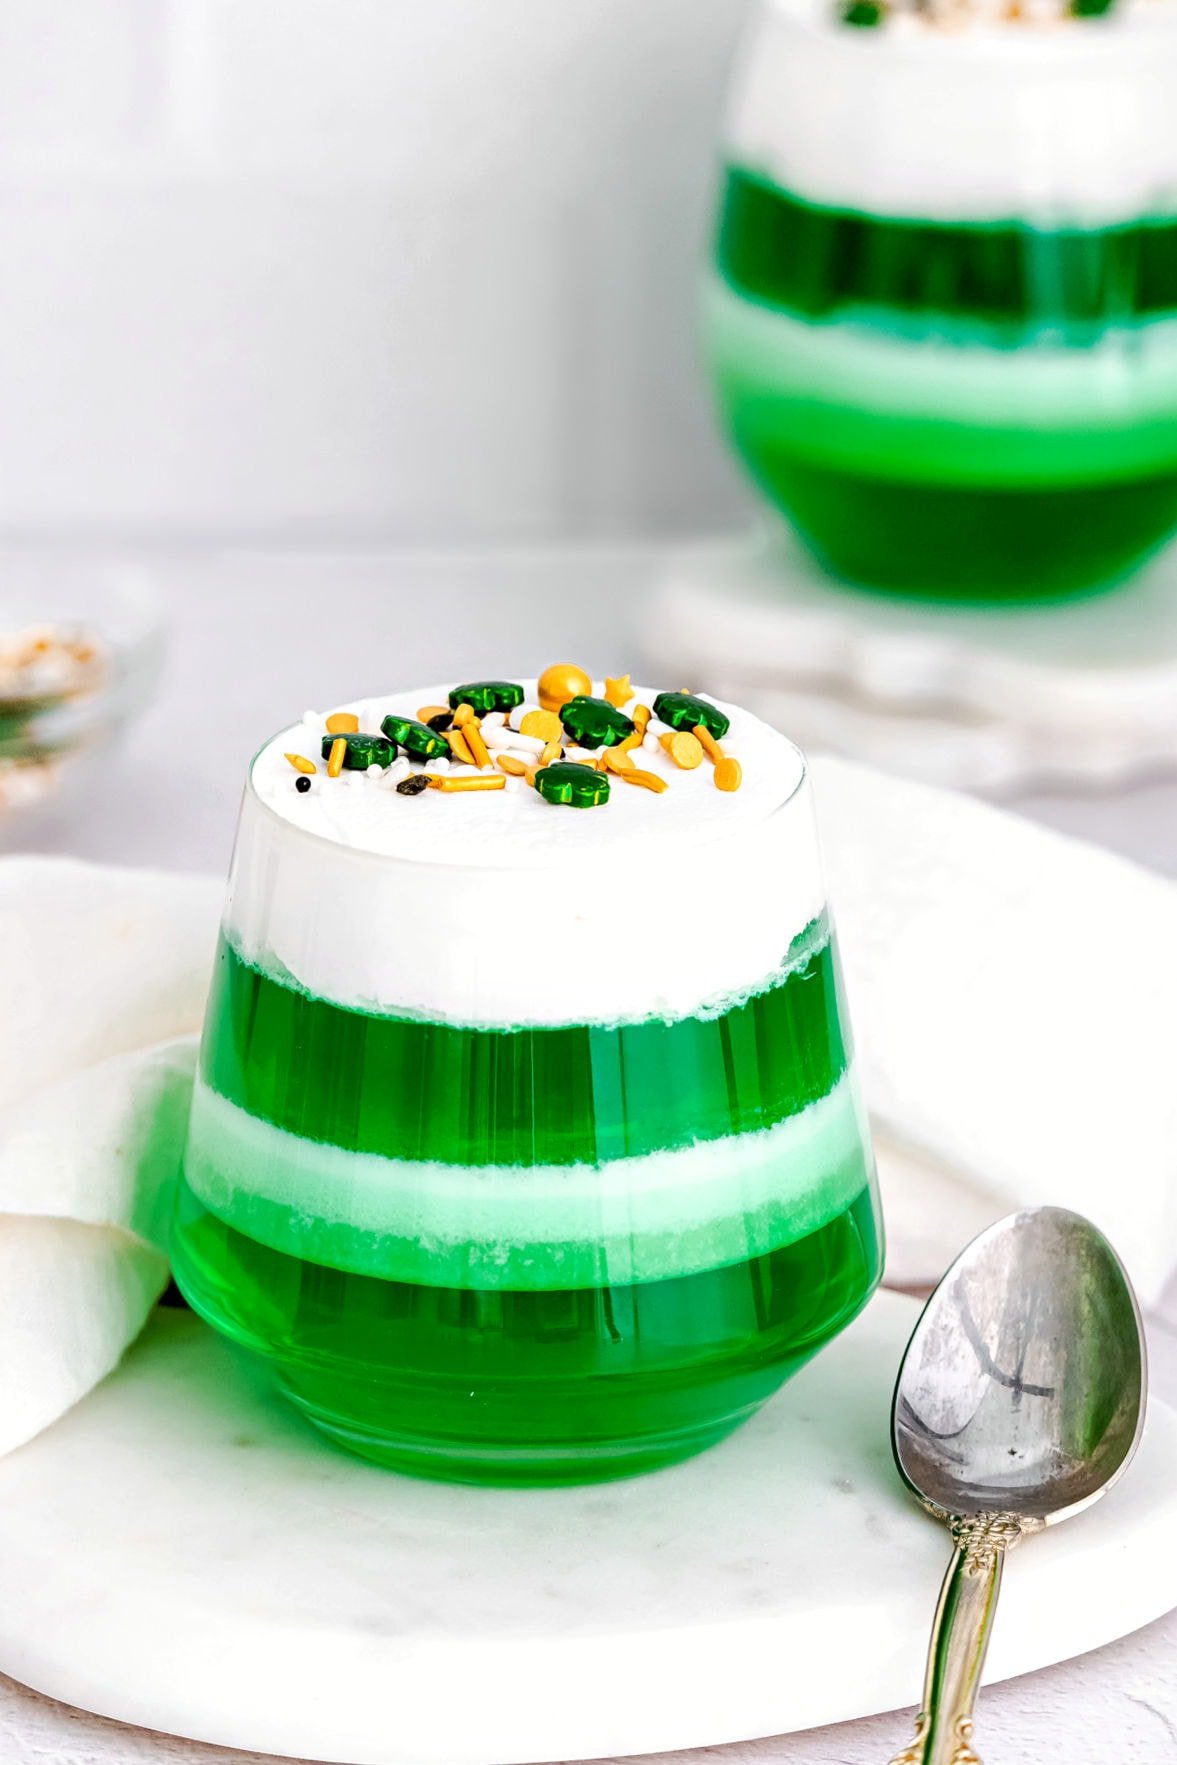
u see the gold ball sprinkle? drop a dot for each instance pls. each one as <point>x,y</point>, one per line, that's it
<point>561,682</point>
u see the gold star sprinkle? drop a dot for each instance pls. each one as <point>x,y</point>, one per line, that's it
<point>618,692</point>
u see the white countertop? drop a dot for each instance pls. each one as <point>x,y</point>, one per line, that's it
<point>255,641</point>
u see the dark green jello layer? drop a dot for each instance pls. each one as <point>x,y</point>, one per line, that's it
<point>529,1387</point>
<point>943,542</point>
<point>414,1089</point>
<point>1011,279</point>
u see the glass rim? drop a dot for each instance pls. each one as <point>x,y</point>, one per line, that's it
<point>425,861</point>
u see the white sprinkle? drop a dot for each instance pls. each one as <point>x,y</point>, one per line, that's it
<point>375,770</point>
<point>440,764</point>
<point>512,740</point>
<point>493,720</point>
<point>583,754</point>
<point>394,773</point>
<point>656,727</point>
<point>651,743</point>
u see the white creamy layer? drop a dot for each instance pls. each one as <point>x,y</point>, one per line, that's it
<point>630,1219</point>
<point>1123,390</point>
<point>1069,121</point>
<point>499,908</point>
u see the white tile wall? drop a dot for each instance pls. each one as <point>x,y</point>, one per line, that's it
<point>419,270</point>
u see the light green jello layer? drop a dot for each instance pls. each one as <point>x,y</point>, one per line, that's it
<point>854,394</point>
<point>653,1217</point>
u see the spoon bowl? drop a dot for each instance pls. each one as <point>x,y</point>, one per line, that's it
<point>1022,1388</point>
<point>1020,1401</point>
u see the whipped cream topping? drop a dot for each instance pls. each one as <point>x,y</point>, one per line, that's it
<point>515,826</point>
<point>499,908</point>
<point>1068,121</point>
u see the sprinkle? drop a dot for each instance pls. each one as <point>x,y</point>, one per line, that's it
<point>683,710</point>
<point>475,743</point>
<point>335,759</point>
<point>427,713</point>
<point>417,739</point>
<point>301,763</point>
<point>487,695</point>
<point>463,714</point>
<point>580,787</point>
<point>641,716</point>
<point>484,781</point>
<point>413,785</point>
<point>375,770</point>
<point>511,765</point>
<point>561,682</point>
<point>302,782</point>
<point>550,754</point>
<point>618,691</point>
<point>728,774</point>
<point>361,751</point>
<point>595,723</point>
<point>343,723</point>
<point>685,749</point>
<point>544,726</point>
<point>710,746</point>
<point>458,747</point>
<point>614,760</point>
<point>649,781</point>
<point>631,741</point>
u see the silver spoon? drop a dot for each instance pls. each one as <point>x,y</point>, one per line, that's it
<point>1019,1402</point>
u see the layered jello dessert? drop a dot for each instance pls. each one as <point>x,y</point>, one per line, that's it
<point>526,1144</point>
<point>941,318</point>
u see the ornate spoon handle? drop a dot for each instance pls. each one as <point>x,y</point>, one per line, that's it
<point>960,1637</point>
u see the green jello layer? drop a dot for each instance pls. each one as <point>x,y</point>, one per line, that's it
<point>569,1094</point>
<point>1014,280</point>
<point>643,1218</point>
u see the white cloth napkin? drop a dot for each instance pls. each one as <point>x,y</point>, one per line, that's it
<point>1011,992</point>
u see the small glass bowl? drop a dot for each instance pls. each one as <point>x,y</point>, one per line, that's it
<point>80,646</point>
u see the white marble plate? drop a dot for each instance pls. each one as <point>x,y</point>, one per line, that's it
<point>981,698</point>
<point>181,1553</point>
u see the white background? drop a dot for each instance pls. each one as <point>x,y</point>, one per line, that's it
<point>421,270</point>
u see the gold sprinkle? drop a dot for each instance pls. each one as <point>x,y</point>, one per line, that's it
<point>511,765</point>
<point>463,715</point>
<point>618,690</point>
<point>728,774</point>
<point>561,682</point>
<point>641,716</point>
<point>301,763</point>
<point>529,773</point>
<point>428,711</point>
<point>543,726</point>
<point>685,749</point>
<point>485,781</point>
<point>711,747</point>
<point>631,741</point>
<point>475,743</point>
<point>458,747</point>
<point>614,760</point>
<point>551,752</point>
<point>343,723</point>
<point>335,762</point>
<point>649,781</point>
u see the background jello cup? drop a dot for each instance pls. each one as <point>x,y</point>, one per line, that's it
<point>526,1144</point>
<point>940,318</point>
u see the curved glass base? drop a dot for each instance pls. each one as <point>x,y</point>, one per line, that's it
<point>532,1387</point>
<point>936,541</point>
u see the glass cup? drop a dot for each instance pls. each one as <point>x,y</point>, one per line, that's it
<point>581,1227</point>
<point>941,318</point>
